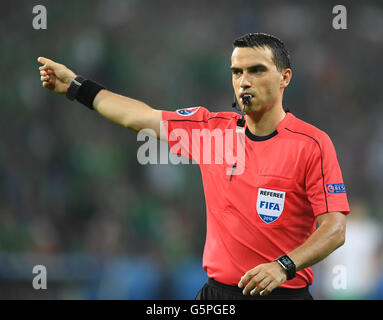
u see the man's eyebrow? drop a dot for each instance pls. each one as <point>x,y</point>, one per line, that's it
<point>256,66</point>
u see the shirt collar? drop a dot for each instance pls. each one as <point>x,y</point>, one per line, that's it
<point>281,125</point>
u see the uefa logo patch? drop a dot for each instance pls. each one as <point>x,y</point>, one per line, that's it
<point>187,111</point>
<point>270,204</point>
<point>336,188</point>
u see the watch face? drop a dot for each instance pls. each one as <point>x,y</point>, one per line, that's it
<point>288,265</point>
<point>286,261</point>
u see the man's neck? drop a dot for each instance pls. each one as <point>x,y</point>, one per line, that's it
<point>264,122</point>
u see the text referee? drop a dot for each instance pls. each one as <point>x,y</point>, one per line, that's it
<point>273,212</point>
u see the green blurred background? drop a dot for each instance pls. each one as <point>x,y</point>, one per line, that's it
<point>73,196</point>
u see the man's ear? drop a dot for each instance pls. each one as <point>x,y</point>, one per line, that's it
<point>286,75</point>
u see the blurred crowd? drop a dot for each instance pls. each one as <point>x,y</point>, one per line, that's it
<point>72,193</point>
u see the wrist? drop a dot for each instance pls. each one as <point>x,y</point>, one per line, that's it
<point>69,81</point>
<point>83,90</point>
<point>74,87</point>
<point>288,265</point>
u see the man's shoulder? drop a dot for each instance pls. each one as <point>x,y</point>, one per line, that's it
<point>225,115</point>
<point>304,130</point>
<point>200,113</point>
<point>199,117</point>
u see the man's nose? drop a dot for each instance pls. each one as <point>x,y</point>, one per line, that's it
<point>244,82</point>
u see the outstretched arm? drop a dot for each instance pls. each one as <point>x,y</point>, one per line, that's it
<point>127,112</point>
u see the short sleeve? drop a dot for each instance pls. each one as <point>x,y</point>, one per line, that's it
<point>325,188</point>
<point>179,125</point>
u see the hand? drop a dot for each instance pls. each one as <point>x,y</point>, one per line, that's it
<point>54,76</point>
<point>263,279</point>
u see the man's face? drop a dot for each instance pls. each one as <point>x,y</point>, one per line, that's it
<point>254,73</point>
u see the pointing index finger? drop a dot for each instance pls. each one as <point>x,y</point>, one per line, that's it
<point>41,60</point>
<point>47,63</point>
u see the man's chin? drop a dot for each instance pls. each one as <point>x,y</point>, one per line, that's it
<point>253,108</point>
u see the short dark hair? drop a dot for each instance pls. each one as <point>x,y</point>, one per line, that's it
<point>281,56</point>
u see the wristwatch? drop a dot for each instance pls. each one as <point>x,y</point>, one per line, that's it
<point>74,87</point>
<point>288,265</point>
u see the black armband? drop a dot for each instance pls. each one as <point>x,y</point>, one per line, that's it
<point>288,265</point>
<point>84,91</point>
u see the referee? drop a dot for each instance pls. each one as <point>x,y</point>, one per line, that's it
<point>284,211</point>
